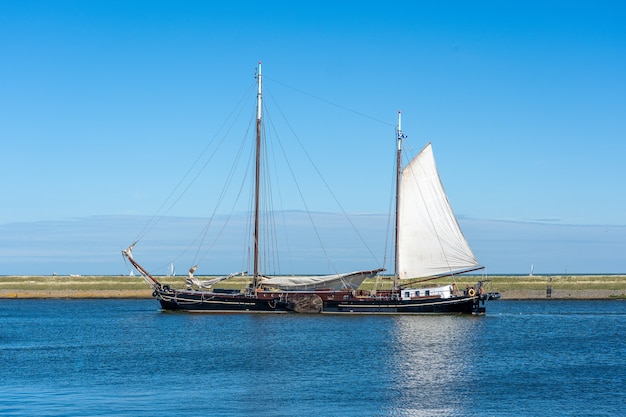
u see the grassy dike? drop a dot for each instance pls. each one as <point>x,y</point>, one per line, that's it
<point>510,286</point>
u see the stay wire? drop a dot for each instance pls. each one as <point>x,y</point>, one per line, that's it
<point>308,212</point>
<point>175,195</point>
<point>332,103</point>
<point>306,153</point>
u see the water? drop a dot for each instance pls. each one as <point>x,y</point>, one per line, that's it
<point>126,358</point>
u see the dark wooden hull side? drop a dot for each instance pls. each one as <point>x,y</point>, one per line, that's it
<point>197,301</point>
<point>201,302</point>
<point>455,305</point>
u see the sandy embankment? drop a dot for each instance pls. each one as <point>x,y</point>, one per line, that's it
<point>76,293</point>
<point>562,295</point>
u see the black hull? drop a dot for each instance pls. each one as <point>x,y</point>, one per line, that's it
<point>312,302</point>
<point>217,303</point>
<point>455,305</point>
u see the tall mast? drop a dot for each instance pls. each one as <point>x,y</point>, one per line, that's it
<point>400,136</point>
<point>257,179</point>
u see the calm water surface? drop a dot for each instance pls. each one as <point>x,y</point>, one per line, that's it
<point>127,358</point>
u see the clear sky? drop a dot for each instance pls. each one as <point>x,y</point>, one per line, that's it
<point>103,104</point>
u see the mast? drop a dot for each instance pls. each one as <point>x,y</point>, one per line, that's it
<point>400,136</point>
<point>257,176</point>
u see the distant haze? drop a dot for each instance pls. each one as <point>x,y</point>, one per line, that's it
<point>91,246</point>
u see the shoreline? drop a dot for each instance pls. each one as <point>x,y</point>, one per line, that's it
<point>511,287</point>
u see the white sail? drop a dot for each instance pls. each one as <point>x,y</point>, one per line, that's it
<point>430,241</point>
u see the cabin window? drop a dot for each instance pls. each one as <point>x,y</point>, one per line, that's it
<point>407,294</point>
<point>417,293</point>
<point>427,292</point>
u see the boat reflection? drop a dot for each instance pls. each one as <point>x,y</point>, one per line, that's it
<point>433,357</point>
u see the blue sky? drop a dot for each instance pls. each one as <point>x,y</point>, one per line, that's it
<point>103,104</point>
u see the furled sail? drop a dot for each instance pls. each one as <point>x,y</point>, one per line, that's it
<point>350,280</point>
<point>430,241</point>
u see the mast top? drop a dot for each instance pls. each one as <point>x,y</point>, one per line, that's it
<point>399,132</point>
<point>259,93</point>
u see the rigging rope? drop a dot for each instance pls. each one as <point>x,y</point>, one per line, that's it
<point>176,194</point>
<point>218,204</point>
<point>306,153</point>
<point>329,102</point>
<point>156,217</point>
<point>390,214</point>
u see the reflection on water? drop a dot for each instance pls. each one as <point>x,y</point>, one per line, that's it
<point>434,357</point>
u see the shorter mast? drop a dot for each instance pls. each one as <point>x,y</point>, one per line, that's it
<point>400,136</point>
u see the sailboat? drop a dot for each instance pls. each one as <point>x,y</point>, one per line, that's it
<point>429,245</point>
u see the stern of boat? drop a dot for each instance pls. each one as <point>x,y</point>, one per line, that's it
<point>481,297</point>
<point>478,308</point>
